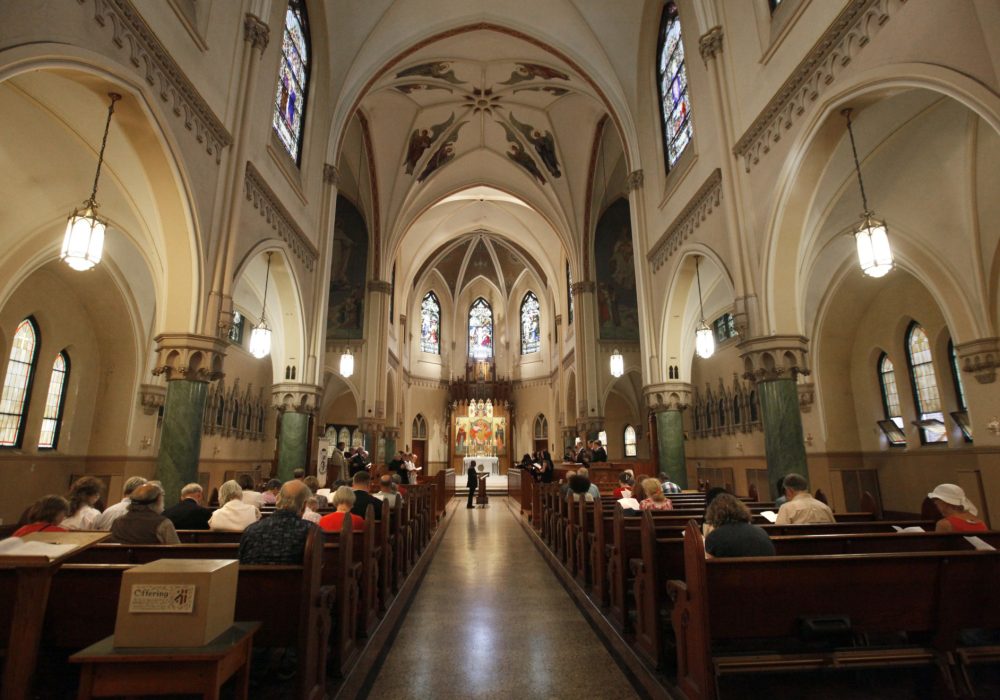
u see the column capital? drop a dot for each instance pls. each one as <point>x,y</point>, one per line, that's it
<point>634,180</point>
<point>256,32</point>
<point>710,43</point>
<point>331,175</point>
<point>294,397</point>
<point>583,287</point>
<point>980,358</point>
<point>152,397</point>
<point>371,425</point>
<point>772,357</point>
<point>668,396</point>
<point>590,424</point>
<point>379,287</point>
<point>390,433</point>
<point>188,356</point>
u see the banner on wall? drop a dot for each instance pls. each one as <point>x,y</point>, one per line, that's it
<point>324,448</point>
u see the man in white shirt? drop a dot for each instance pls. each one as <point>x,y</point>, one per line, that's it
<point>112,513</point>
<point>386,492</point>
<point>801,507</point>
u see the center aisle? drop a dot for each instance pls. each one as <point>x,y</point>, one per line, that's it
<point>490,619</point>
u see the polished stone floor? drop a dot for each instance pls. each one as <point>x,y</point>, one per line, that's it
<point>491,620</point>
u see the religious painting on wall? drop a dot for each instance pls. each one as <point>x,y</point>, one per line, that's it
<point>480,433</point>
<point>617,304</point>
<point>345,319</point>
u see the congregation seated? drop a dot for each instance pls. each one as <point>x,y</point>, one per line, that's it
<point>112,513</point>
<point>269,497</point>
<point>669,487</point>
<point>732,534</point>
<point>250,495</point>
<point>313,483</point>
<point>782,498</point>
<point>958,513</point>
<point>801,507</point>
<point>592,488</point>
<point>144,522</point>
<point>233,515</point>
<point>83,494</point>
<point>280,538</point>
<point>580,486</point>
<point>655,498</point>
<point>46,515</point>
<point>299,474</point>
<point>397,485</point>
<point>344,500</point>
<point>625,486</point>
<point>387,492</point>
<point>362,498</point>
<point>311,513</point>
<point>564,489</point>
<point>188,513</point>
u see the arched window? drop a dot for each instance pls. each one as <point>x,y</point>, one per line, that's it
<point>630,446</point>
<point>569,295</point>
<point>675,105</point>
<point>480,330</point>
<point>531,336</point>
<point>541,428</point>
<point>419,428</point>
<point>925,390</point>
<point>430,324</point>
<point>344,436</point>
<point>54,400</point>
<point>961,416</point>
<point>890,401</point>
<point>357,438</point>
<point>293,80</point>
<point>17,383</point>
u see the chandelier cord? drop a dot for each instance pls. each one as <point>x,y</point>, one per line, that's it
<point>697,274</point>
<point>267,277</point>
<point>104,142</point>
<point>857,164</point>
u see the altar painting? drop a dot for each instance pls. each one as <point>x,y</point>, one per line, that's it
<point>480,433</point>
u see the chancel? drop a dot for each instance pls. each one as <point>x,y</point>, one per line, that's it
<point>701,297</point>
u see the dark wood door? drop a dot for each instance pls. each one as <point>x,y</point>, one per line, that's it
<point>420,450</point>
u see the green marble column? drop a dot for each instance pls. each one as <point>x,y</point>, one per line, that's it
<point>670,445</point>
<point>180,440</point>
<point>389,451</point>
<point>292,444</point>
<point>784,445</point>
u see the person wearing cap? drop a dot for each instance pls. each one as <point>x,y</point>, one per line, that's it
<point>959,513</point>
<point>144,522</point>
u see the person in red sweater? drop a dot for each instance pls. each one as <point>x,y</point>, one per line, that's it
<point>343,501</point>
<point>45,516</point>
<point>959,513</point>
<point>626,486</point>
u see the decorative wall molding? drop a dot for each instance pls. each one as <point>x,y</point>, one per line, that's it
<point>710,43</point>
<point>256,32</point>
<point>980,358</point>
<point>705,200</point>
<point>668,396</point>
<point>331,175</point>
<point>150,57</point>
<point>187,356</point>
<point>850,32</point>
<point>266,202</point>
<point>634,180</point>
<point>152,397</point>
<point>807,396</point>
<point>379,286</point>
<point>773,357</point>
<point>296,398</point>
<point>584,287</point>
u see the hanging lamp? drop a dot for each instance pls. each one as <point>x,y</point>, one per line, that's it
<point>704,341</point>
<point>871,234</point>
<point>83,243</point>
<point>617,363</point>
<point>346,363</point>
<point>260,337</point>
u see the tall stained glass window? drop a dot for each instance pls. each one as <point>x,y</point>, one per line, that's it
<point>925,389</point>
<point>956,376</point>
<point>17,383</point>
<point>890,393</point>
<point>54,400</point>
<point>675,104</point>
<point>430,324</point>
<point>480,330</point>
<point>293,79</point>
<point>531,336</point>
<point>630,445</point>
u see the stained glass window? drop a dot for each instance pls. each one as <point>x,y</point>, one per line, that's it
<point>630,446</point>
<point>480,330</point>
<point>956,375</point>
<point>925,390</point>
<point>531,337</point>
<point>52,418</point>
<point>890,403</point>
<point>675,104</point>
<point>725,328</point>
<point>430,324</point>
<point>236,331</point>
<point>293,79</point>
<point>17,383</point>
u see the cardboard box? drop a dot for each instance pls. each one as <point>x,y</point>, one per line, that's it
<point>176,603</point>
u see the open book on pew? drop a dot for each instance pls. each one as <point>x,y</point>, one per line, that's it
<point>769,515</point>
<point>912,528</point>
<point>628,503</point>
<point>980,544</point>
<point>17,547</point>
<point>44,548</point>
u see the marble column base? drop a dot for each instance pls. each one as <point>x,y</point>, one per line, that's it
<point>180,439</point>
<point>670,445</point>
<point>784,444</point>
<point>292,444</point>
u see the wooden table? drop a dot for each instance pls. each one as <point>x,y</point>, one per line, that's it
<point>108,671</point>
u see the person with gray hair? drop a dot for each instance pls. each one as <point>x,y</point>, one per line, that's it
<point>344,500</point>
<point>801,507</point>
<point>188,513</point>
<point>144,522</point>
<point>233,514</point>
<point>112,513</point>
<point>281,537</point>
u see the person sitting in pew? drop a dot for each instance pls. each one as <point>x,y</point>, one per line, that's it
<point>959,515</point>
<point>564,488</point>
<point>46,515</point>
<point>592,487</point>
<point>733,535</point>
<point>311,513</point>
<point>344,500</point>
<point>270,495</point>
<point>299,474</point>
<point>280,538</point>
<point>655,498</point>
<point>669,487</point>
<point>386,492</point>
<point>83,494</point>
<point>579,486</point>
<point>397,485</point>
<point>362,498</point>
<point>625,486</point>
<point>112,513</point>
<point>313,483</point>
<point>250,496</point>
<point>233,515</point>
<point>801,506</point>
<point>710,496</point>
<point>188,514</point>
<point>144,522</point>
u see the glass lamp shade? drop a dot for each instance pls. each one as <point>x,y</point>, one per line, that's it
<point>874,253</point>
<point>704,342</point>
<point>84,241</point>
<point>346,364</point>
<point>617,363</point>
<point>260,341</point>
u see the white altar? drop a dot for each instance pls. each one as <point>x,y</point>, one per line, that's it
<point>491,464</point>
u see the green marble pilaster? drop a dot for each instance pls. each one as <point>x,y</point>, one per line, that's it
<point>670,445</point>
<point>784,445</point>
<point>293,443</point>
<point>389,451</point>
<point>180,441</point>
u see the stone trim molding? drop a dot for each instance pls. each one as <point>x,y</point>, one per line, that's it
<point>807,396</point>
<point>710,43</point>
<point>634,180</point>
<point>266,202</point>
<point>379,286</point>
<point>188,356</point>
<point>704,201</point>
<point>331,175</point>
<point>773,357</point>
<point>590,424</point>
<point>583,287</point>
<point>668,396</point>
<point>256,32</point>
<point>851,31</point>
<point>150,57</point>
<point>980,358</point>
<point>152,397</point>
<point>296,398</point>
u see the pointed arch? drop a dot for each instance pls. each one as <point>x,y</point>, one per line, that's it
<point>55,399</point>
<point>17,382</point>
<point>293,80</point>
<point>531,323</point>
<point>419,427</point>
<point>629,440</point>
<point>923,381</point>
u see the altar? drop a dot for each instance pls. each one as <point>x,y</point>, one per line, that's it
<point>491,464</point>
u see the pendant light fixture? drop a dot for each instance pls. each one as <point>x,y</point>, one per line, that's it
<point>871,235</point>
<point>704,341</point>
<point>83,243</point>
<point>260,337</point>
<point>346,363</point>
<point>617,363</point>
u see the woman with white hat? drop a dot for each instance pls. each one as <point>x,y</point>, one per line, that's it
<point>959,513</point>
